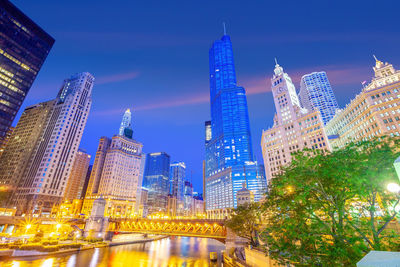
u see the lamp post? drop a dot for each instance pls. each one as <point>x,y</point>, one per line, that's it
<point>394,188</point>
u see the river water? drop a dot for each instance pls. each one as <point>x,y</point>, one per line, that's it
<point>173,251</point>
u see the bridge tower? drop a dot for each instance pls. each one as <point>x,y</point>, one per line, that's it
<point>97,225</point>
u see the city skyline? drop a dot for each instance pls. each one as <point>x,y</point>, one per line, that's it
<point>187,109</point>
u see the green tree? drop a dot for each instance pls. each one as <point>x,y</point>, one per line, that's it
<point>246,222</point>
<point>323,207</point>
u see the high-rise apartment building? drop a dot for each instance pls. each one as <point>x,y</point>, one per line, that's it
<point>156,181</point>
<point>375,111</point>
<point>177,177</point>
<point>115,176</point>
<point>24,47</point>
<point>316,94</point>
<point>294,128</point>
<point>22,143</point>
<point>228,140</point>
<point>39,157</point>
<point>77,177</point>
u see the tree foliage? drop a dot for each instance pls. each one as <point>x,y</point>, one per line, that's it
<point>246,222</point>
<point>330,208</point>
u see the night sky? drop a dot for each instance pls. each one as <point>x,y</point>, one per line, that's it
<point>152,56</point>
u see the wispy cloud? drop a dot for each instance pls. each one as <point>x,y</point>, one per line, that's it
<point>338,75</point>
<point>167,103</point>
<point>119,77</point>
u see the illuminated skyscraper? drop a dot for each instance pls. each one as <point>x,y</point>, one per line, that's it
<point>156,181</point>
<point>188,198</point>
<point>177,176</point>
<point>126,124</point>
<point>229,151</point>
<point>24,47</point>
<point>42,148</point>
<point>115,176</point>
<point>316,94</point>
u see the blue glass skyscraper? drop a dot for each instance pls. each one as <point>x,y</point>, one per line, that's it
<point>230,128</point>
<point>229,151</point>
<point>316,94</point>
<point>156,181</point>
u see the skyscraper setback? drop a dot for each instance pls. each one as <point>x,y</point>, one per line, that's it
<point>38,159</point>
<point>229,149</point>
<point>24,47</point>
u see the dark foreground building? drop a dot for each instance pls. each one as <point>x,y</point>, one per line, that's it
<point>24,47</point>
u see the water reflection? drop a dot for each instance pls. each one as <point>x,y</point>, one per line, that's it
<point>174,251</point>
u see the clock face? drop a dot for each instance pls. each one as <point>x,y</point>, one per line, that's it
<point>280,90</point>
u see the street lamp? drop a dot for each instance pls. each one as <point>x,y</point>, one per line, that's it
<point>394,188</point>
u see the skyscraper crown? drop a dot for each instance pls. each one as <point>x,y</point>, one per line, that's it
<point>125,128</point>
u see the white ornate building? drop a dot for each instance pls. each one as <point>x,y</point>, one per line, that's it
<point>294,127</point>
<point>375,111</point>
<point>116,175</point>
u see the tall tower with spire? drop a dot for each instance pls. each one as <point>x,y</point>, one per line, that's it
<point>229,153</point>
<point>126,124</point>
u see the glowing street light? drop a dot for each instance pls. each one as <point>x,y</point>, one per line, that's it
<point>393,187</point>
<point>28,226</point>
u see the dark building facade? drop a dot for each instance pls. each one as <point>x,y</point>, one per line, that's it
<point>24,47</point>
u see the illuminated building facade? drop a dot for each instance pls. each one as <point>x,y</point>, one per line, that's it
<point>24,47</point>
<point>316,94</point>
<point>188,199</point>
<point>156,181</point>
<point>375,111</point>
<point>115,177</point>
<point>45,163</point>
<point>228,139</point>
<point>77,177</point>
<point>22,143</point>
<point>6,138</point>
<point>177,176</point>
<point>294,128</point>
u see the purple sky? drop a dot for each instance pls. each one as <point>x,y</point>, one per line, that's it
<point>152,56</point>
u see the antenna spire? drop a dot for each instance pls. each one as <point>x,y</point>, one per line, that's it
<point>223,23</point>
<point>276,61</point>
<point>375,58</point>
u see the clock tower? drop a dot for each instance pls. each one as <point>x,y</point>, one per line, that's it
<point>285,98</point>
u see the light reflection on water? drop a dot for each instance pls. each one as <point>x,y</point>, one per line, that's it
<point>174,251</point>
